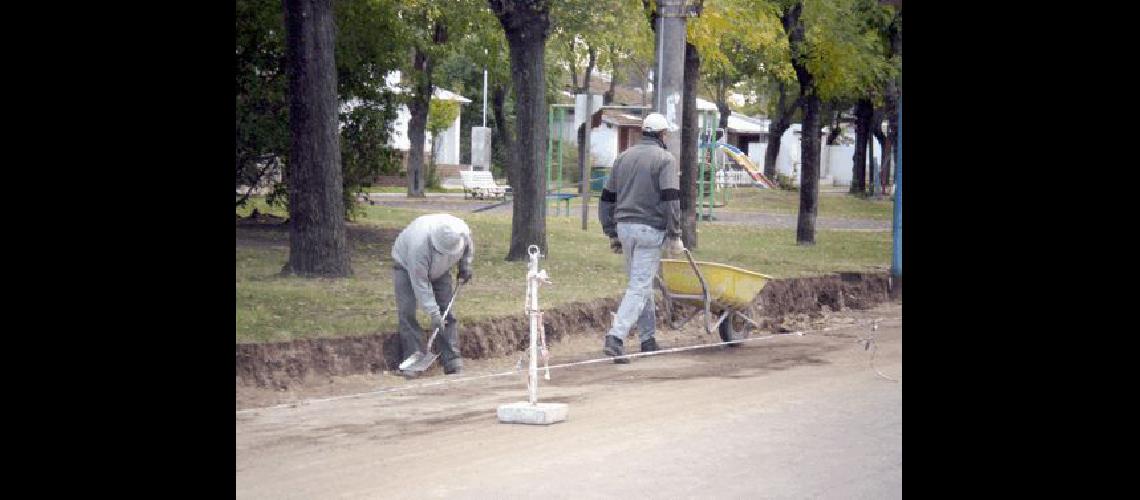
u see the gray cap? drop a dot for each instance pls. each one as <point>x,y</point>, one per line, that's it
<point>448,238</point>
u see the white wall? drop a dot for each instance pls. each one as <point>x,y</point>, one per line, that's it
<point>580,107</point>
<point>603,145</point>
<point>449,148</point>
<point>835,161</point>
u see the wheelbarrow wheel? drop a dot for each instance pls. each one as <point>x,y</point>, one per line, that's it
<point>735,328</point>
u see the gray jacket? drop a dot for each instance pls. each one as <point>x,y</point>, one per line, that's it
<point>643,188</point>
<point>413,251</point>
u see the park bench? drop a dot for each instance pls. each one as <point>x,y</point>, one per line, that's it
<point>481,184</point>
<point>564,198</point>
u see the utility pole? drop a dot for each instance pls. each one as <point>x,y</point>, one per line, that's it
<point>896,232</point>
<point>670,74</point>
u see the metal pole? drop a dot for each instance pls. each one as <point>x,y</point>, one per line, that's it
<point>484,98</point>
<point>896,236</point>
<point>561,136</point>
<point>532,298</point>
<point>584,181</point>
<point>549,149</point>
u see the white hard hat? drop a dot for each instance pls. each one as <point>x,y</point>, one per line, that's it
<point>655,122</point>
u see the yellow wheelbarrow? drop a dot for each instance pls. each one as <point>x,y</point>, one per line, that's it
<point>720,290</point>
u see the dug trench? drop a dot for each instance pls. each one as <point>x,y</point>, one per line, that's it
<point>313,362</point>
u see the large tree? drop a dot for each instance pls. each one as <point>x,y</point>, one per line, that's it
<point>738,40</point>
<point>809,137</point>
<point>834,54</point>
<point>317,240</point>
<point>864,109</point>
<point>366,49</point>
<point>429,29</point>
<point>526,24</point>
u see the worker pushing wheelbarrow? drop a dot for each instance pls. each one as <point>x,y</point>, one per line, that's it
<point>726,293</point>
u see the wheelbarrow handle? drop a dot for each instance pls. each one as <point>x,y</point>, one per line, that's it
<point>704,290</point>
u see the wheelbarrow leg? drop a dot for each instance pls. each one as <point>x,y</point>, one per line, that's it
<point>719,320</point>
<point>669,316</point>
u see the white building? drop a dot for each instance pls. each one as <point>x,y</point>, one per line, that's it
<point>448,153</point>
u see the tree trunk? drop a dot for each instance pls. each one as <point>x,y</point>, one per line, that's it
<point>892,97</point>
<point>526,25</point>
<point>589,69</point>
<point>862,135</point>
<point>722,103</point>
<point>504,135</point>
<point>689,131</point>
<point>833,136</point>
<point>317,237</point>
<point>885,170</point>
<point>776,131</point>
<point>809,136</point>
<point>877,133</point>
<point>809,175</point>
<point>608,96</point>
<point>417,124</point>
<point>418,108</point>
<point>573,67</point>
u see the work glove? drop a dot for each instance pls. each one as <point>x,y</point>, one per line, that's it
<point>436,321</point>
<point>464,275</point>
<point>674,246</point>
<point>615,244</point>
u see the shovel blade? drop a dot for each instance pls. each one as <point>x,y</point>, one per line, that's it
<point>413,359</point>
<point>423,362</point>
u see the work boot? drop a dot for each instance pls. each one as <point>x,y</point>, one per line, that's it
<point>650,345</point>
<point>455,367</point>
<point>614,348</point>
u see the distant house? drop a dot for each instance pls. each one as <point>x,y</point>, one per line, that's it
<point>448,153</point>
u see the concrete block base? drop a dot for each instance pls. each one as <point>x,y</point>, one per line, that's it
<point>526,413</point>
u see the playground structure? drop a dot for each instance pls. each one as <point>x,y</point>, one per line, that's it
<point>745,162</point>
<point>715,161</point>
<point>555,183</point>
<point>715,174</point>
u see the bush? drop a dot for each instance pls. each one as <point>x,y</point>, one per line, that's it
<point>786,182</point>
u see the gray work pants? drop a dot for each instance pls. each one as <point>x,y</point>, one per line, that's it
<point>641,245</point>
<point>411,335</point>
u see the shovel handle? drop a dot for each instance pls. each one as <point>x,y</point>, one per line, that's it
<point>445,311</point>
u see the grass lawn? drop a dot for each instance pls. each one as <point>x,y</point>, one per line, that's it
<point>275,308</point>
<point>836,205</point>
<point>403,189</point>
<point>747,199</point>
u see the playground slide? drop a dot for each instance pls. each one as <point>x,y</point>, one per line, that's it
<point>744,161</point>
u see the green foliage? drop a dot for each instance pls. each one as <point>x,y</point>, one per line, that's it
<point>367,49</point>
<point>612,28</point>
<point>786,182</point>
<point>364,147</point>
<point>441,115</point>
<point>844,48</point>
<point>741,38</point>
<point>262,111</point>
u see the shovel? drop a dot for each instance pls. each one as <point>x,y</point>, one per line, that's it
<point>419,361</point>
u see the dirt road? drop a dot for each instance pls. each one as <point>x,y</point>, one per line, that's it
<point>790,417</point>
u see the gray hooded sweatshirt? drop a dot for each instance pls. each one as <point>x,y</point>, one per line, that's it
<point>414,251</point>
